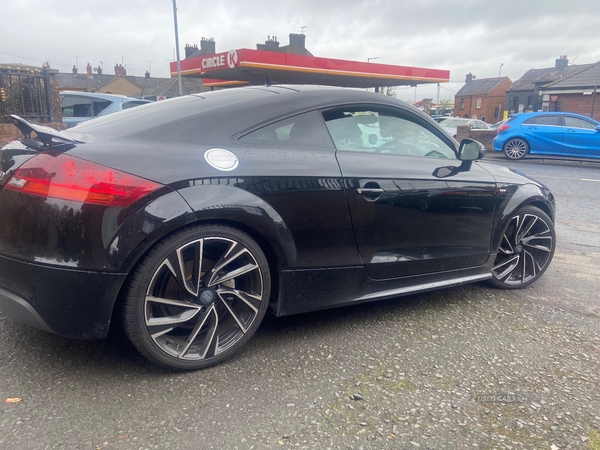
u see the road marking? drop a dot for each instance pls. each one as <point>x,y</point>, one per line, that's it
<point>539,175</point>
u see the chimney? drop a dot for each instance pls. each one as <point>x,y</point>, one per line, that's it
<point>469,78</point>
<point>99,70</point>
<point>74,69</point>
<point>207,46</point>
<point>271,44</point>
<point>147,74</point>
<point>561,62</point>
<point>120,71</point>
<point>88,69</point>
<point>190,50</point>
<point>297,43</point>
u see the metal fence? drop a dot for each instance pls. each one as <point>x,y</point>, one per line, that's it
<point>26,93</point>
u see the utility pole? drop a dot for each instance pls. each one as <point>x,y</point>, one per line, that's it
<point>177,47</point>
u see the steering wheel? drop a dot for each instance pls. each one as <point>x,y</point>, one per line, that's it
<point>401,148</point>
<point>435,153</point>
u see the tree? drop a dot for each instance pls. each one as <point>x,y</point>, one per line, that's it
<point>445,106</point>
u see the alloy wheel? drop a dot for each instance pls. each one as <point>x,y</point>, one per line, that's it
<point>516,149</point>
<point>525,251</point>
<point>198,297</point>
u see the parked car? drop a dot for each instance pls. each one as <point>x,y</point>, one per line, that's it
<point>451,124</point>
<point>549,133</point>
<point>497,125</point>
<point>78,107</point>
<point>187,219</point>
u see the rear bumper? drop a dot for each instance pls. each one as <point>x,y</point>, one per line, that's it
<point>72,303</point>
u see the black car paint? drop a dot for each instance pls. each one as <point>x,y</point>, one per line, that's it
<point>318,259</point>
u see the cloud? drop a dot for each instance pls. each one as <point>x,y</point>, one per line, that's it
<point>462,35</point>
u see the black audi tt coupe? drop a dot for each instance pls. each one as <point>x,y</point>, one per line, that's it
<point>185,220</point>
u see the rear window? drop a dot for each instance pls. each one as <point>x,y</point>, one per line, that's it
<point>136,120</point>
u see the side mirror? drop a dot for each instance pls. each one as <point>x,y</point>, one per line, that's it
<point>470,150</point>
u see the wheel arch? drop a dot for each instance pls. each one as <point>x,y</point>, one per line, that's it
<point>525,195</point>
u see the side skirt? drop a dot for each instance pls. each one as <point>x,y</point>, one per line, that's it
<point>303,291</point>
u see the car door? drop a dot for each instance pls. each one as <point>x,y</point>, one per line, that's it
<point>544,133</point>
<point>580,137</point>
<point>406,220</point>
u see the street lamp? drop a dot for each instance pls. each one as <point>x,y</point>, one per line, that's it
<point>500,71</point>
<point>375,57</point>
<point>177,47</point>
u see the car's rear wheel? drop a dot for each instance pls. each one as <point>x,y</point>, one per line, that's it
<point>197,297</point>
<point>516,148</point>
<point>526,249</point>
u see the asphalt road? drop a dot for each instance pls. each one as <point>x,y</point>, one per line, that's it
<point>470,367</point>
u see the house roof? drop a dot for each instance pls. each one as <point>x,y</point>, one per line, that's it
<point>483,86</point>
<point>589,77</point>
<point>168,87</point>
<point>78,81</point>
<point>548,75</point>
<point>149,86</point>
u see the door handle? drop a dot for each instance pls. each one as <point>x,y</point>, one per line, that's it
<point>370,191</point>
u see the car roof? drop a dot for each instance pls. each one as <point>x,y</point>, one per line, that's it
<point>99,95</point>
<point>244,107</point>
<point>527,115</point>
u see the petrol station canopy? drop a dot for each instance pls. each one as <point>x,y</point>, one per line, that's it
<point>255,67</point>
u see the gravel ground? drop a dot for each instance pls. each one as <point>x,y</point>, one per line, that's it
<point>470,367</point>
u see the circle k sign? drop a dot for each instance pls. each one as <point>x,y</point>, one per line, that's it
<point>232,59</point>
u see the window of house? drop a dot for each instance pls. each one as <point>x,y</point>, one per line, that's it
<point>461,103</point>
<point>478,103</point>
<point>530,102</point>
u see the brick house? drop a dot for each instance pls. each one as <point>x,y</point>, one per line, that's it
<point>577,93</point>
<point>525,94</point>
<point>482,99</point>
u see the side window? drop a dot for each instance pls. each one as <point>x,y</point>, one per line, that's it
<point>100,105</point>
<point>133,104</point>
<point>369,131</point>
<point>73,106</point>
<point>304,131</point>
<point>543,120</point>
<point>576,122</point>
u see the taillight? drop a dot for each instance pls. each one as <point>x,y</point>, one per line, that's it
<point>57,175</point>
<point>503,127</point>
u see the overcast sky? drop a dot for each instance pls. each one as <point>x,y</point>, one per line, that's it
<point>462,36</point>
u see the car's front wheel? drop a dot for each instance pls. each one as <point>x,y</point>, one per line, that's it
<point>526,249</point>
<point>197,297</point>
<point>516,148</point>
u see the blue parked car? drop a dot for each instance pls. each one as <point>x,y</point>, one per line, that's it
<point>548,133</point>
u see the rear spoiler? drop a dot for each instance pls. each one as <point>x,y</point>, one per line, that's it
<point>46,138</point>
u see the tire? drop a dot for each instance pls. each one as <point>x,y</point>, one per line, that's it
<point>197,297</point>
<point>526,249</point>
<point>516,148</point>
